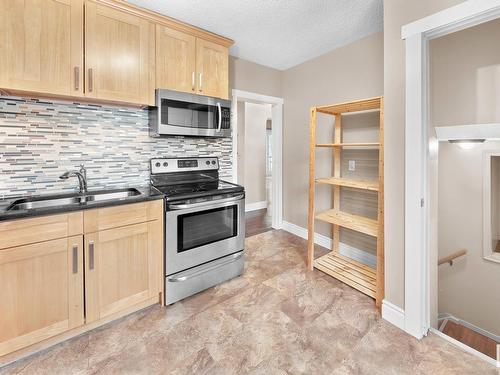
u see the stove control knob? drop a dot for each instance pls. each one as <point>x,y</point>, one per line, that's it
<point>165,164</point>
<point>158,164</point>
<point>208,162</point>
<point>213,162</point>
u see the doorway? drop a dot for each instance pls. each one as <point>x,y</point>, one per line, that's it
<point>257,164</point>
<point>425,229</point>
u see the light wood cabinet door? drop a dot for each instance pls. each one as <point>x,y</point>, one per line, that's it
<point>119,55</point>
<point>41,46</point>
<point>175,60</point>
<point>123,268</point>
<point>41,291</point>
<point>212,69</point>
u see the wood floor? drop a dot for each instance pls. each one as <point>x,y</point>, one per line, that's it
<point>471,338</point>
<point>257,222</point>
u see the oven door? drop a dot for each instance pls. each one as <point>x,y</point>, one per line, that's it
<point>197,233</point>
<point>195,115</point>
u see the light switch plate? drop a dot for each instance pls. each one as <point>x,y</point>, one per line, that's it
<point>352,165</point>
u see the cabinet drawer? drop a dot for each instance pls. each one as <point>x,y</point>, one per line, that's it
<point>38,229</point>
<point>119,216</point>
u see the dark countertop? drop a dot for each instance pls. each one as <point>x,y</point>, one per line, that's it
<point>148,193</point>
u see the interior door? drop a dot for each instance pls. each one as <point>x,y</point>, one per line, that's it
<point>175,60</point>
<point>119,58</point>
<point>41,291</point>
<point>41,46</point>
<point>121,268</point>
<point>212,69</point>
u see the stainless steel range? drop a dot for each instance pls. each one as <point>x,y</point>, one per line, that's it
<point>204,225</point>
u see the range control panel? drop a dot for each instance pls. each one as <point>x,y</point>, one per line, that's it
<point>169,165</point>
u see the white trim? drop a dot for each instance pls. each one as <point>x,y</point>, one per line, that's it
<point>453,19</point>
<point>471,326</point>
<point>393,314</point>
<point>255,206</point>
<point>415,190</point>
<point>418,222</point>
<point>465,348</point>
<point>326,242</point>
<point>277,147</point>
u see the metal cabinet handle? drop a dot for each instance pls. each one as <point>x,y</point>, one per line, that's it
<point>192,82</point>
<point>201,86</point>
<point>76,71</point>
<point>91,255</point>
<point>75,258</point>
<point>91,80</point>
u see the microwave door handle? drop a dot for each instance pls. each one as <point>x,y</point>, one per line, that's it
<point>219,125</point>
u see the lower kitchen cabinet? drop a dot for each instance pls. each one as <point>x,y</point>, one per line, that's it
<point>64,274</point>
<point>41,291</point>
<point>121,268</point>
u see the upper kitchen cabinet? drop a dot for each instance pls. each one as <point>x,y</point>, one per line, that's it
<point>41,46</point>
<point>212,69</point>
<point>119,50</point>
<point>175,60</point>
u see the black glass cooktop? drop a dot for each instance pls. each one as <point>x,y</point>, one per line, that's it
<point>198,189</point>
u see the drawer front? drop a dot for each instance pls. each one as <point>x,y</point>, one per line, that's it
<point>27,231</point>
<point>119,216</point>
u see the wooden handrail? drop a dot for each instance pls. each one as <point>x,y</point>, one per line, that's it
<point>450,258</point>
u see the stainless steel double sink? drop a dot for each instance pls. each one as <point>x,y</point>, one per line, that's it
<point>65,200</point>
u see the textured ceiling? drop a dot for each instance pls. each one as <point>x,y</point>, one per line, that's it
<point>278,33</point>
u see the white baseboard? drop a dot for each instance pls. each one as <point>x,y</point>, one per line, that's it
<point>344,249</point>
<point>393,314</point>
<point>255,206</point>
<point>471,326</point>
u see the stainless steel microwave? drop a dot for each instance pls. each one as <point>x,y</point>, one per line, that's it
<point>178,113</point>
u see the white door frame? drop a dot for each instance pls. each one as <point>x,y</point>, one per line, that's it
<point>277,147</point>
<point>417,161</point>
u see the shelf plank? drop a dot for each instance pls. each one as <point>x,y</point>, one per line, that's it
<point>349,271</point>
<point>355,106</point>
<point>350,221</point>
<point>358,184</point>
<point>360,144</point>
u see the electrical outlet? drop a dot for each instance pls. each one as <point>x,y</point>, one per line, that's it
<point>352,165</point>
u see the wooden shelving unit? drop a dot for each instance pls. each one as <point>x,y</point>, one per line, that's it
<point>360,276</point>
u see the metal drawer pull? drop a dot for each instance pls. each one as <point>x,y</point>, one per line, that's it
<point>91,255</point>
<point>77,78</point>
<point>204,204</point>
<point>201,76</point>
<point>75,258</point>
<point>175,279</point>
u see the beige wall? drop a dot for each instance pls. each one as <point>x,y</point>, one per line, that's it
<point>248,76</point>
<point>256,116</point>
<point>396,14</point>
<point>465,87</point>
<point>351,72</point>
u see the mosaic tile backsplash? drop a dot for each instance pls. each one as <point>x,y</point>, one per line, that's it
<point>39,140</point>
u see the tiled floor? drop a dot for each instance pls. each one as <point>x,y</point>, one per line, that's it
<point>278,318</point>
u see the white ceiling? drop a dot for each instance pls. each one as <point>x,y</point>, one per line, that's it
<point>278,33</point>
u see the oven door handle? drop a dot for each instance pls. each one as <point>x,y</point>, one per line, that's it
<point>205,204</point>
<point>186,276</point>
<point>219,125</point>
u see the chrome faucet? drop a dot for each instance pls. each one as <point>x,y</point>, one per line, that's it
<point>82,178</point>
